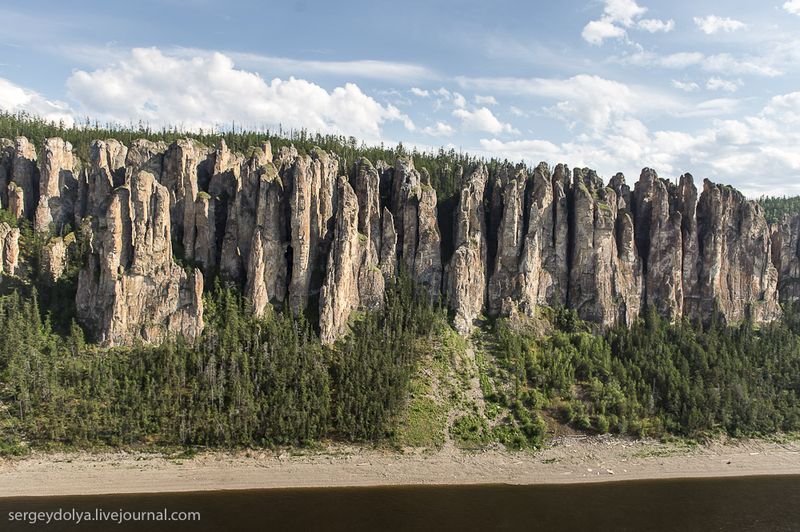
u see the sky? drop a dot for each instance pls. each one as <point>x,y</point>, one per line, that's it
<point>707,87</point>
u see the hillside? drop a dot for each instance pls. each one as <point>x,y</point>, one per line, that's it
<point>255,290</point>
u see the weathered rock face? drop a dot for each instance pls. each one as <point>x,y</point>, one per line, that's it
<point>687,205</point>
<point>340,295</point>
<point>106,171</point>
<point>509,204</point>
<point>660,243</point>
<point>9,249</point>
<point>54,258</point>
<point>786,257</point>
<point>370,276</point>
<point>466,275</point>
<point>6,158</point>
<point>363,253</point>
<point>185,164</point>
<point>58,187</point>
<point>419,240</point>
<point>605,271</point>
<point>16,200</point>
<point>303,258</point>
<point>25,174</point>
<point>267,273</point>
<point>131,287</point>
<point>226,187</point>
<point>737,277</point>
<point>593,211</point>
<point>285,228</point>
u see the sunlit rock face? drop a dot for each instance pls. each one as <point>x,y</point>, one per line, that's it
<point>321,236</point>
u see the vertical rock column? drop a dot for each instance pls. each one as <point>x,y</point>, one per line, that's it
<point>466,275</point>
<point>786,257</point>
<point>737,277</point>
<point>58,186</point>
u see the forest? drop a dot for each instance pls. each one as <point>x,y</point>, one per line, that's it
<point>266,382</point>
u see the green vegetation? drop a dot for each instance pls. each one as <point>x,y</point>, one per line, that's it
<point>655,378</point>
<point>775,208</point>
<point>247,382</point>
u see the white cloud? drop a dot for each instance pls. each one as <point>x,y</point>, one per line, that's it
<point>416,91</point>
<point>482,119</point>
<point>596,31</point>
<point>360,68</point>
<point>654,25</point>
<point>712,24</point>
<point>14,98</point>
<point>459,101</point>
<point>207,90</point>
<point>719,84</point>
<point>623,11</point>
<point>756,153</point>
<point>784,108</point>
<point>723,63</point>
<point>485,100</point>
<point>584,100</point>
<point>686,86</point>
<point>619,15</point>
<point>516,111</point>
<point>792,6</point>
<point>441,129</point>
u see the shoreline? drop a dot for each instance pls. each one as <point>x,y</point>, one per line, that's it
<point>566,460</point>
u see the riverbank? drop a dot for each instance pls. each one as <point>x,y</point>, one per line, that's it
<point>572,459</point>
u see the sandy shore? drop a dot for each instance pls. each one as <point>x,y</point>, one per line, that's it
<point>565,460</point>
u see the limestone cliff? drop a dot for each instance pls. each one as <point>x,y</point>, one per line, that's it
<point>308,228</point>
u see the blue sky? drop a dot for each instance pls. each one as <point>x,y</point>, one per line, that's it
<point>711,88</point>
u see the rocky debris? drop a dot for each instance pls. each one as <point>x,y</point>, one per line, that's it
<point>737,277</point>
<point>786,257</point>
<point>466,275</point>
<point>9,249</point>
<point>130,287</point>
<point>58,187</point>
<point>25,174</point>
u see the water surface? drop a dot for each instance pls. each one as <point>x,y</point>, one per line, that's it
<point>745,503</point>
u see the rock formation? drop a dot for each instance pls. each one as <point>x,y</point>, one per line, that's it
<point>58,187</point>
<point>736,276</point>
<point>786,257</point>
<point>9,249</point>
<point>287,227</point>
<point>131,287</point>
<point>466,274</point>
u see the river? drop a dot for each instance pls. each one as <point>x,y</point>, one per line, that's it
<point>725,504</point>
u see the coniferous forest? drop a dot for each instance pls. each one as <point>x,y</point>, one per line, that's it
<point>269,381</point>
